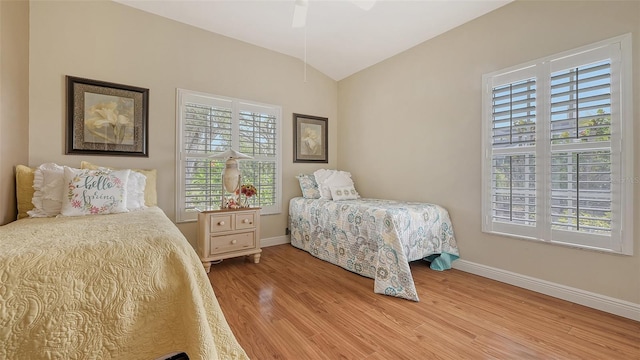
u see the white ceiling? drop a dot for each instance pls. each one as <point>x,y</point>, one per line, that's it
<point>342,38</point>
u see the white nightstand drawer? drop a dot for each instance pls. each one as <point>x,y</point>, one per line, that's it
<point>232,242</point>
<point>221,223</point>
<point>245,221</point>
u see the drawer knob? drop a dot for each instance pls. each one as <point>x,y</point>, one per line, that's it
<point>221,223</point>
<point>234,241</point>
<point>245,221</point>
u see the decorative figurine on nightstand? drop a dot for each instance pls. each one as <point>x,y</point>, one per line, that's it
<point>231,178</point>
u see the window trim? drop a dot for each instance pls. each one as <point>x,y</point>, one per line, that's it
<point>237,105</point>
<point>622,88</point>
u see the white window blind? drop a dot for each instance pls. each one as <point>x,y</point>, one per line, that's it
<point>258,138</point>
<point>554,134</point>
<point>209,124</point>
<point>513,176</point>
<point>581,191</point>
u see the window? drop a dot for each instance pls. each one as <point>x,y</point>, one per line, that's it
<point>558,149</point>
<point>209,124</point>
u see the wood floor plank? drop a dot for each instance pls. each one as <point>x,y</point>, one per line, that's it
<point>294,306</point>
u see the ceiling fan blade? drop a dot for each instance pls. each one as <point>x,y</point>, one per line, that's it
<point>300,14</point>
<point>365,5</point>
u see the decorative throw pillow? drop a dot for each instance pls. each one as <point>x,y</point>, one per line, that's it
<point>336,179</point>
<point>344,193</point>
<point>321,175</point>
<point>24,189</point>
<point>49,186</point>
<point>150,193</point>
<point>95,191</point>
<point>309,186</point>
<point>135,191</point>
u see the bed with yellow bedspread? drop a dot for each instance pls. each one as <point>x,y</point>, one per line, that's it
<point>120,286</point>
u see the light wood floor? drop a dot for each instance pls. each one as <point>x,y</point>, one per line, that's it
<point>294,306</point>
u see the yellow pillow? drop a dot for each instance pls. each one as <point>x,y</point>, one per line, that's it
<point>24,189</point>
<point>150,193</point>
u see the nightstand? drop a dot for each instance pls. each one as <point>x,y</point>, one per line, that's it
<point>228,233</point>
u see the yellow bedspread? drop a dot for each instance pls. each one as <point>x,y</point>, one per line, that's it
<point>120,286</point>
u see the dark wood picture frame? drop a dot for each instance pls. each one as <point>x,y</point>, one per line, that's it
<point>105,118</point>
<point>310,139</point>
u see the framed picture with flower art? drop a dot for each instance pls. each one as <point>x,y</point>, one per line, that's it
<point>310,140</point>
<point>106,119</point>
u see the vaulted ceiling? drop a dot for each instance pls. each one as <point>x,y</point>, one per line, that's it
<point>339,38</point>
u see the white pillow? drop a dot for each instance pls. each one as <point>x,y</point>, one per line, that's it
<point>136,184</point>
<point>344,193</point>
<point>99,191</point>
<point>135,190</point>
<point>337,179</point>
<point>321,175</point>
<point>49,186</point>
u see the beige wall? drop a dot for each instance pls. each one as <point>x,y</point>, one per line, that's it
<point>14,99</point>
<point>424,105</point>
<point>404,115</point>
<point>111,42</point>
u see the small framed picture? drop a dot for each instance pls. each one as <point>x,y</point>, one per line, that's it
<point>310,139</point>
<point>106,119</point>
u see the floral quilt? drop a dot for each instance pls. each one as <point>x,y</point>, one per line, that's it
<point>375,238</point>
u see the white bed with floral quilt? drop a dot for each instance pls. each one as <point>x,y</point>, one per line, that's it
<point>371,237</point>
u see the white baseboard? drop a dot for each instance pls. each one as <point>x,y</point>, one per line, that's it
<point>272,241</point>
<point>600,302</point>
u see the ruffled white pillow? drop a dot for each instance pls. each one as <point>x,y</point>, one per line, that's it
<point>327,179</point>
<point>49,186</point>
<point>335,179</point>
<point>99,191</point>
<point>321,175</point>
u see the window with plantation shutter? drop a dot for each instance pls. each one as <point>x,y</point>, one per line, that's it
<point>558,150</point>
<point>258,138</point>
<point>209,124</point>
<point>513,140</point>
<point>581,189</point>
